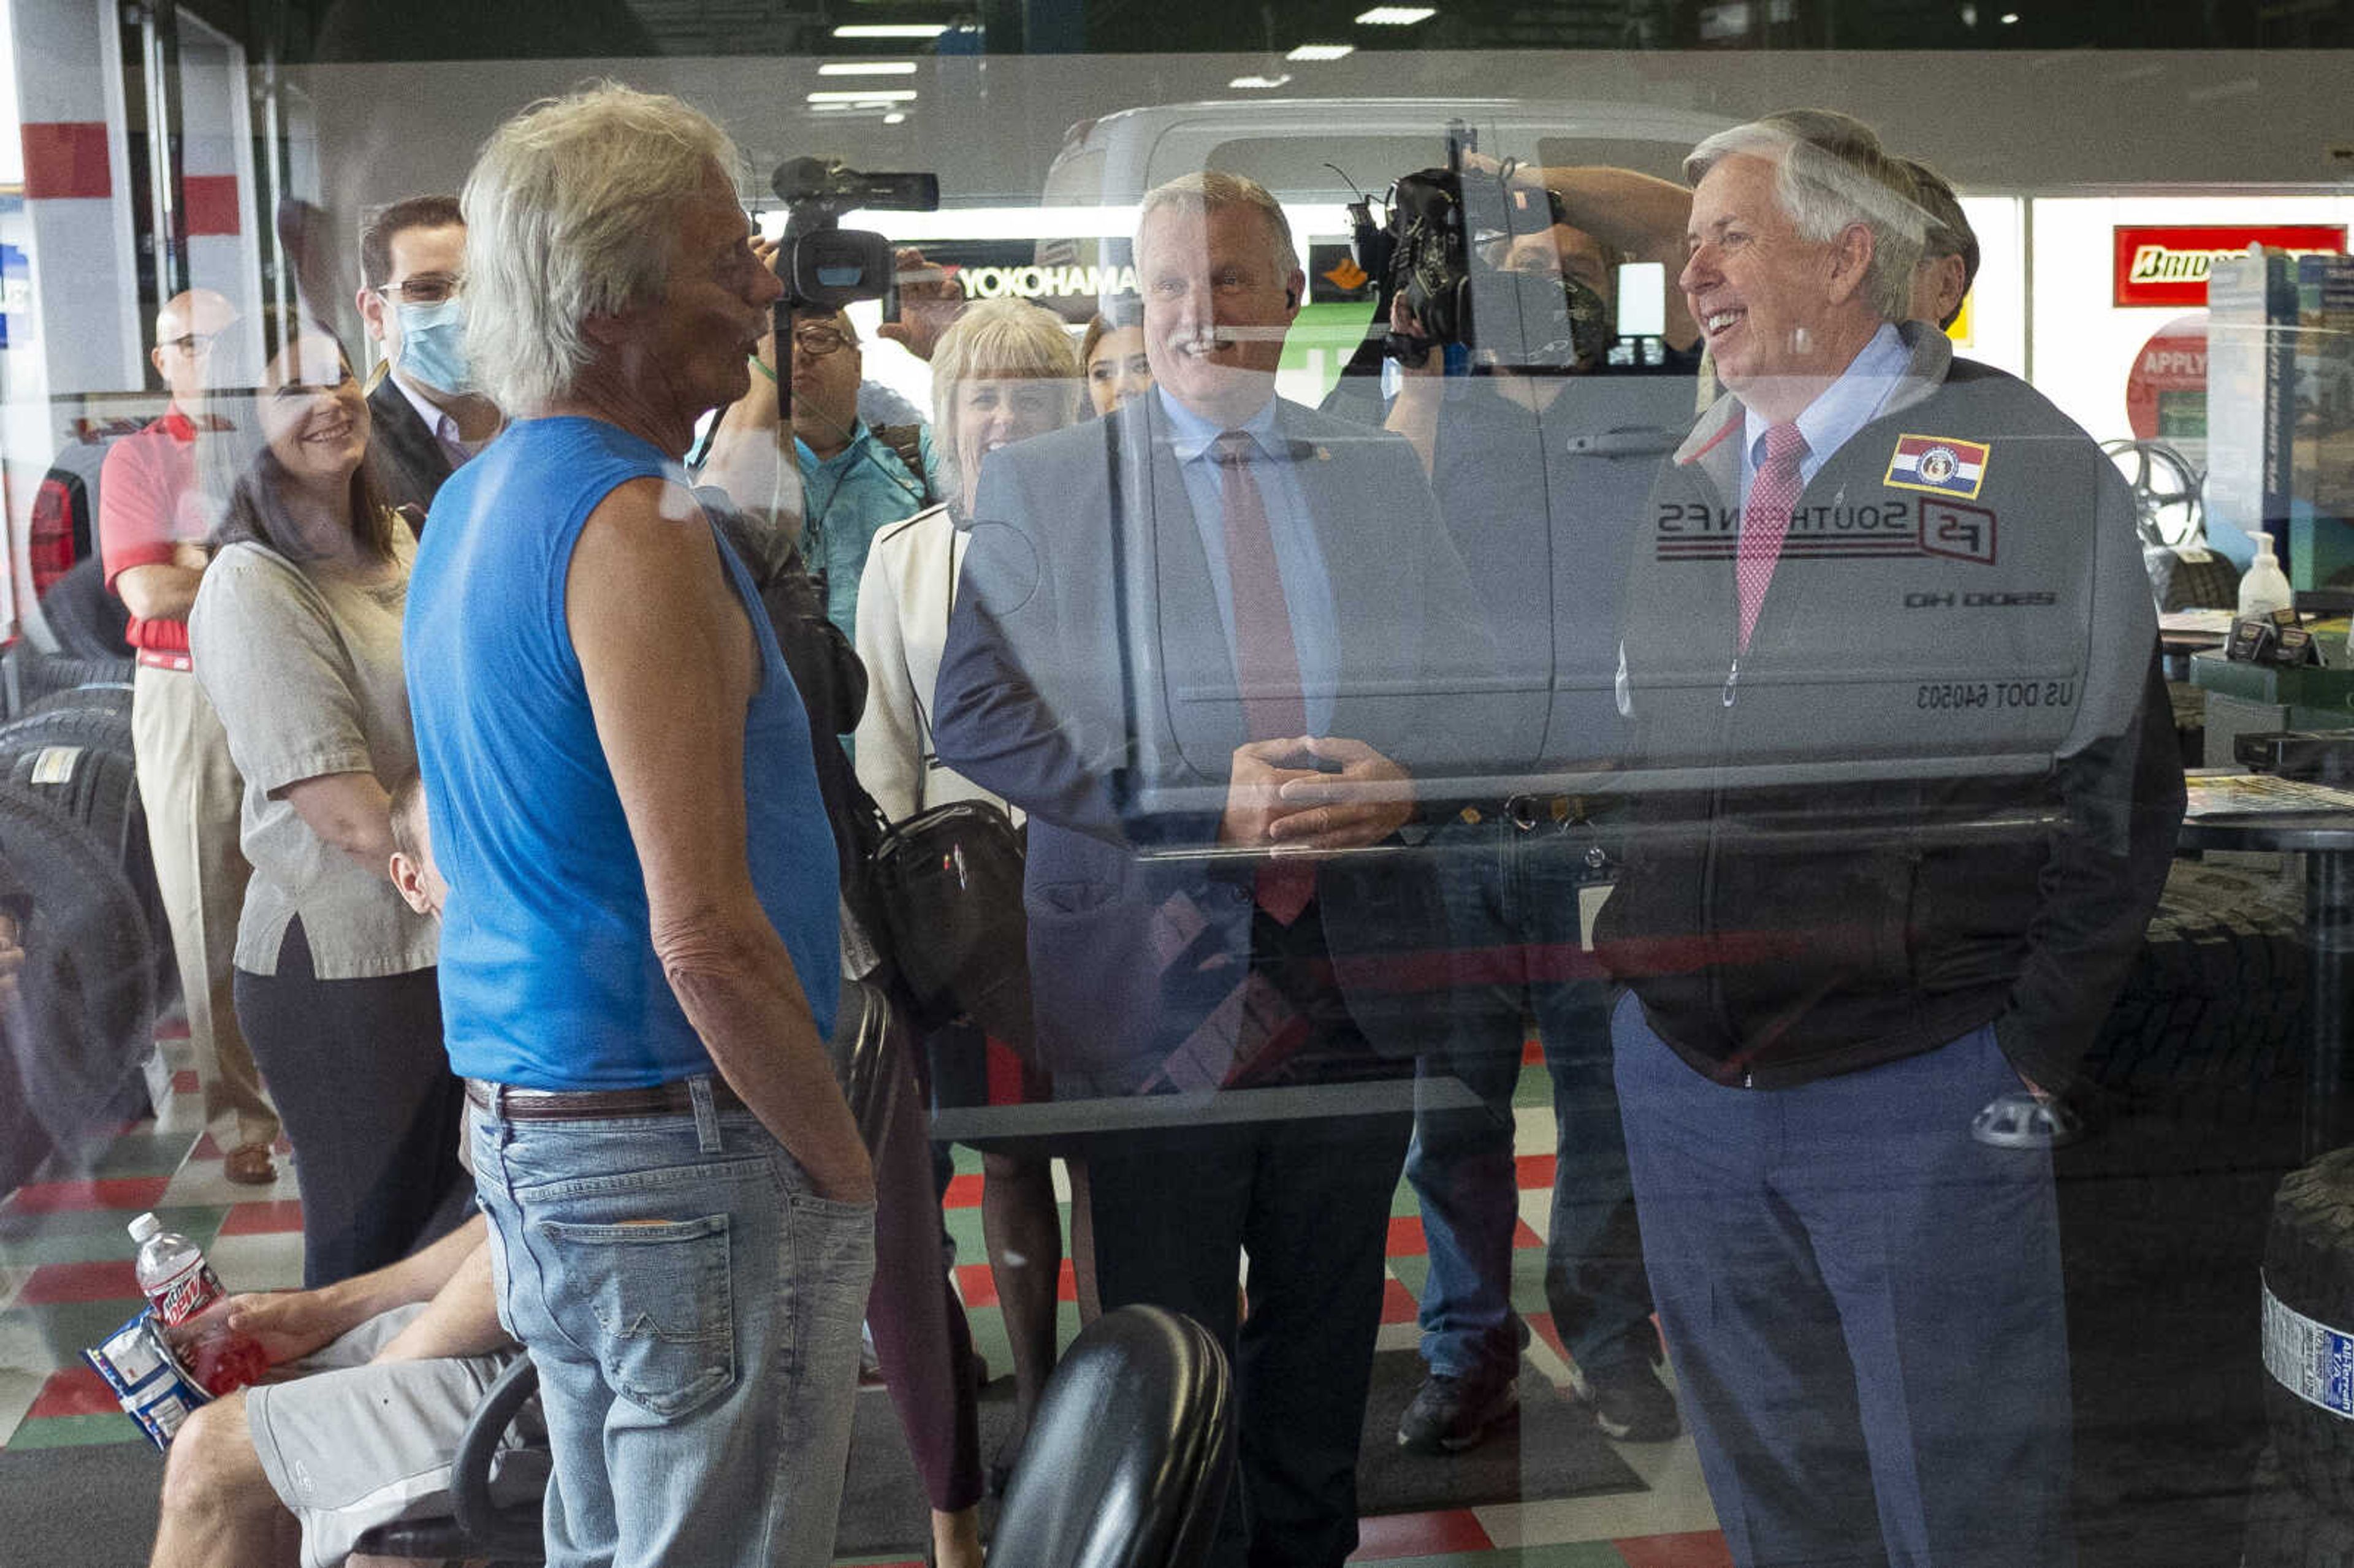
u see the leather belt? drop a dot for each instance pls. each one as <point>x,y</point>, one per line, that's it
<point>509,1104</point>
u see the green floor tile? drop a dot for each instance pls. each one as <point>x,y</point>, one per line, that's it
<point>94,1236</point>
<point>1534,1091</point>
<point>65,1330</point>
<point>142,1154</point>
<point>964,1230</point>
<point>1411,1272</point>
<point>74,1432</point>
<point>1403,1202</point>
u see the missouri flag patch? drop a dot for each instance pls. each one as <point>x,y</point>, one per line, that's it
<point>1938,464</point>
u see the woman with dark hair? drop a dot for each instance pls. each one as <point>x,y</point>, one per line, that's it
<point>296,636</point>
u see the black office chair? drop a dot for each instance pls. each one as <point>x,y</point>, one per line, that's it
<point>478,1525</point>
<point>1129,1457</point>
<point>1127,1464</point>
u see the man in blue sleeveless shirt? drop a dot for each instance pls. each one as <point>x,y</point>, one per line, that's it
<point>640,956</point>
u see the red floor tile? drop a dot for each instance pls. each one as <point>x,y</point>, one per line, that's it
<point>275,1217</point>
<point>1533,1053</point>
<point>128,1193</point>
<point>1406,1237</point>
<point>1418,1535</point>
<point>1701,1549</point>
<point>1533,1172</point>
<point>979,1288</point>
<point>76,1391</point>
<point>1523,1235</point>
<point>172,1029</point>
<point>110,1280</point>
<point>964,1192</point>
<point>1398,1305</point>
<point>185,1081</point>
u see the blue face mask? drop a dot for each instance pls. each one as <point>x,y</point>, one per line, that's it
<point>433,345</point>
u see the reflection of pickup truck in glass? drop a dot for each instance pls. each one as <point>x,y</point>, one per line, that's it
<point>1963,641</point>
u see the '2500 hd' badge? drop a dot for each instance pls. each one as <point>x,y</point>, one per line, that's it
<point>1938,464</point>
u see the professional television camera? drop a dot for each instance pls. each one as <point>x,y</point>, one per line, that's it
<point>1422,250</point>
<point>823,265</point>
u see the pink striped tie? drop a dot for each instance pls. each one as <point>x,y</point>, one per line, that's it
<point>1765,518</point>
<point>1266,659</point>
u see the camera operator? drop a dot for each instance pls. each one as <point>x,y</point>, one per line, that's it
<point>1521,876</point>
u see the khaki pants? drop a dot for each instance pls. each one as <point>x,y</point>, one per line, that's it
<point>193,795</point>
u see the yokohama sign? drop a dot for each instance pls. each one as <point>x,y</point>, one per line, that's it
<point>2167,265</point>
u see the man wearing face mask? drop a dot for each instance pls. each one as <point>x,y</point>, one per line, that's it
<point>427,417</point>
<point>1540,461</point>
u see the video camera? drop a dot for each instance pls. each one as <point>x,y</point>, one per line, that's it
<point>1422,250</point>
<point>823,265</point>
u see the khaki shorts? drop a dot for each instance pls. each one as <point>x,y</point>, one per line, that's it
<point>349,1444</point>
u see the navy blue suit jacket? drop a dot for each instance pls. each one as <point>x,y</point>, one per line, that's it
<point>1087,678</point>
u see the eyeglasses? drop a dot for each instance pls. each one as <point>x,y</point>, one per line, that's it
<point>816,342</point>
<point>193,345</point>
<point>429,288</point>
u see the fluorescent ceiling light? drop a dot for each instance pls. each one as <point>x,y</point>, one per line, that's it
<point>1320,51</point>
<point>891,30</point>
<point>1397,16</point>
<point>876,95</point>
<point>1261,81</point>
<point>868,68</point>
<point>895,118</point>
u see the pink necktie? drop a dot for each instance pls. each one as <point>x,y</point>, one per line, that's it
<point>1267,660</point>
<point>1765,518</point>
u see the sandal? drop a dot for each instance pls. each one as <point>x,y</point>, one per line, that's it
<point>249,1165</point>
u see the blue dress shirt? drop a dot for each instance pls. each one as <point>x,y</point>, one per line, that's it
<point>1307,585</point>
<point>1848,405</point>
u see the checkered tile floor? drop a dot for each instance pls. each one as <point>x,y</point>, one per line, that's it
<point>66,1280</point>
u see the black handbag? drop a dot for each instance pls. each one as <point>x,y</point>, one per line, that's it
<point>947,884</point>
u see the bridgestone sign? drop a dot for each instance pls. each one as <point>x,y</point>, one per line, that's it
<point>2169,266</point>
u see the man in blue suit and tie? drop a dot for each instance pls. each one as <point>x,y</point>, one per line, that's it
<point>1208,644</point>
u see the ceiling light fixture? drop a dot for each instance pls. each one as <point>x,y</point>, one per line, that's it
<point>891,30</point>
<point>868,68</point>
<point>1397,16</point>
<point>876,95</point>
<point>1261,81</point>
<point>1311,52</point>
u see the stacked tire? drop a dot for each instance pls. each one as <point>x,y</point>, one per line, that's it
<point>81,1023</point>
<point>2301,1514</point>
<point>2213,1008</point>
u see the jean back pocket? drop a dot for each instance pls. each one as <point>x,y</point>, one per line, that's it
<point>652,1299</point>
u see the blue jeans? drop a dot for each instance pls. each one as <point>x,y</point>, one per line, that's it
<point>1512,939</point>
<point>1864,1307</point>
<point>694,1311</point>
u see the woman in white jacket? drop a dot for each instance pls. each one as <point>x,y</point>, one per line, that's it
<point>1004,371</point>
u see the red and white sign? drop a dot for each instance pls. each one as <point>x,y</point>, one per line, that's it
<point>2166,392</point>
<point>2168,265</point>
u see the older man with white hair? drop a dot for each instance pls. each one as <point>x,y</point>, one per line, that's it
<point>1862,1301</point>
<point>641,955</point>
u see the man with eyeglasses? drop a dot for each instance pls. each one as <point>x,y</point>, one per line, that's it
<point>427,415</point>
<point>151,522</point>
<point>856,477</point>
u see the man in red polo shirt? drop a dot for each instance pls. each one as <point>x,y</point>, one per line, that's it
<point>152,523</point>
